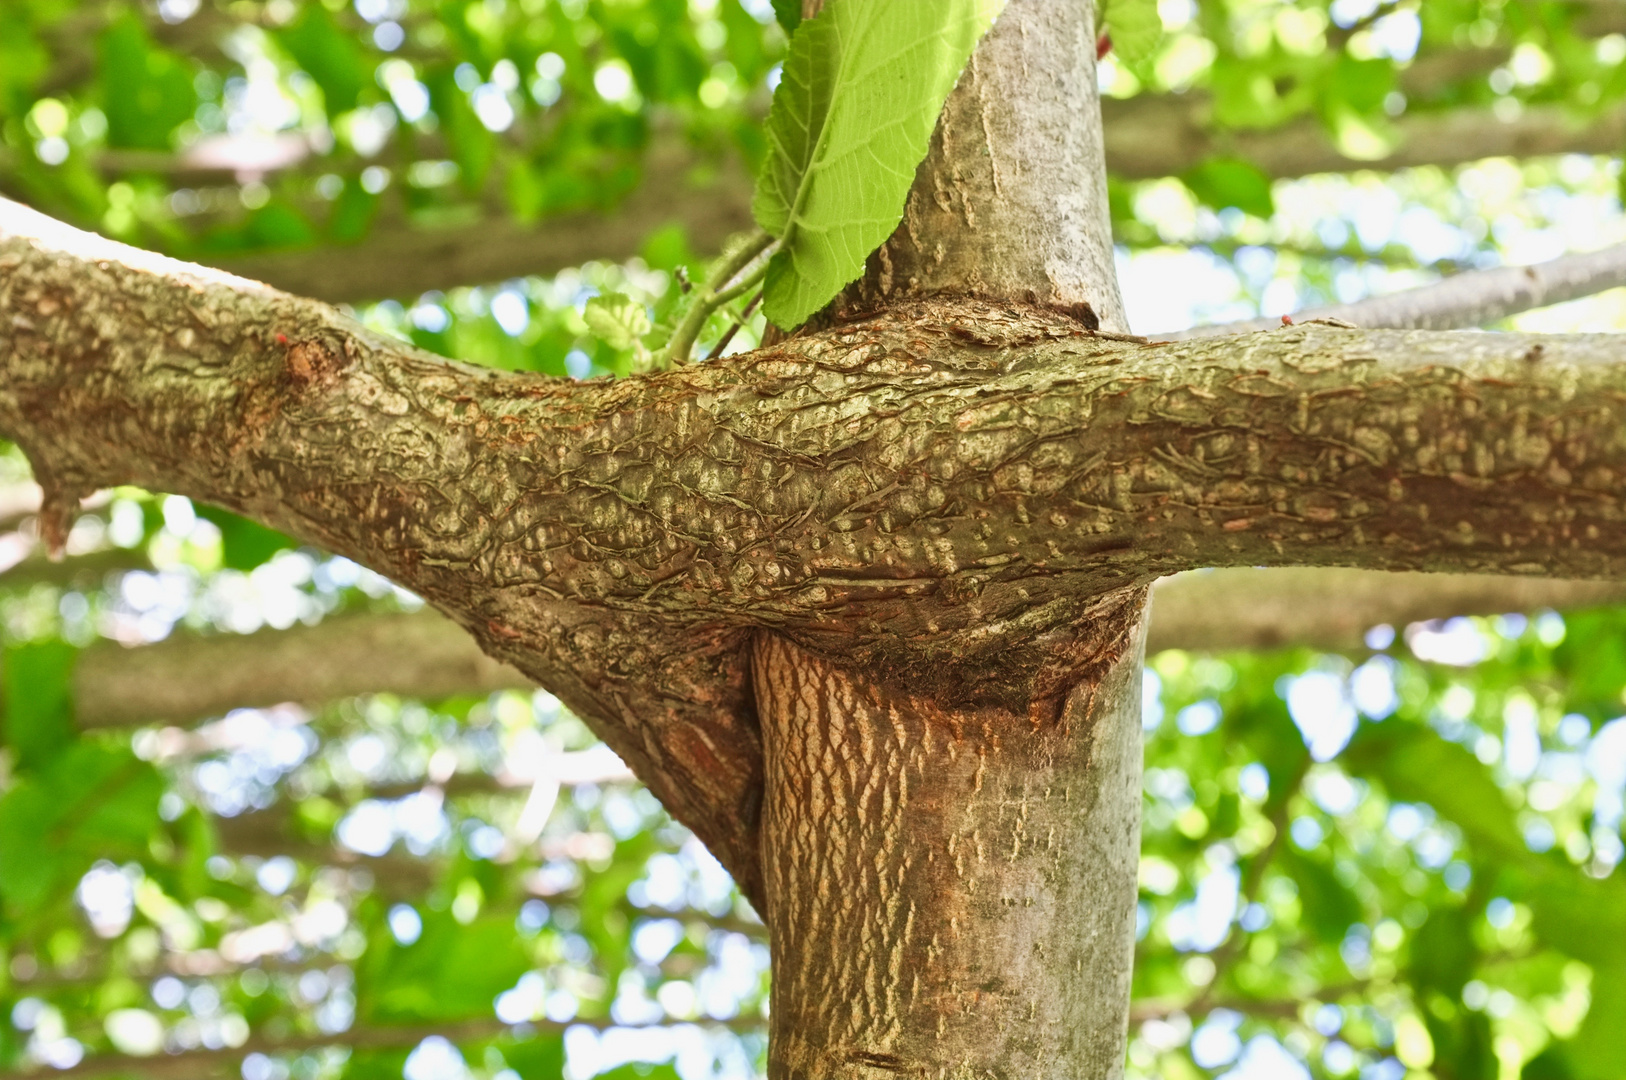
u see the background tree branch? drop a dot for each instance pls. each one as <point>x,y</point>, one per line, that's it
<point>1474,298</point>
<point>1146,137</point>
<point>426,655</point>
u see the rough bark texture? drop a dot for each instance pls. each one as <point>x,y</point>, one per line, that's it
<point>930,490</point>
<point>951,891</point>
<point>881,586</point>
<point>1471,299</point>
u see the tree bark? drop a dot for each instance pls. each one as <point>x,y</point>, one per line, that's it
<point>930,489</point>
<point>951,892</point>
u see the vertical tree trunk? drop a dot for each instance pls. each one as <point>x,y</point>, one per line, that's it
<point>951,893</point>
<point>951,883</point>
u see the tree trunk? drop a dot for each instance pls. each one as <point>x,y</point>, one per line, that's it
<point>951,892</point>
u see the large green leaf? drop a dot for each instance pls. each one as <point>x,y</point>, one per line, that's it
<point>38,700</point>
<point>146,90</point>
<point>1135,27</point>
<point>434,979</point>
<point>244,544</point>
<point>91,802</point>
<point>1598,1051</point>
<point>789,14</point>
<point>851,120</point>
<point>328,55</point>
<point>1416,765</point>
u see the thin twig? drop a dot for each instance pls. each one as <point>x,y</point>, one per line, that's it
<point>738,272</point>
<point>745,317</point>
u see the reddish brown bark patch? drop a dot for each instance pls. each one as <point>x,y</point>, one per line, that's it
<point>311,363</point>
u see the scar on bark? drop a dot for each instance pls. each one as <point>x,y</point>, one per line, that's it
<point>310,362</point>
<point>884,1062</point>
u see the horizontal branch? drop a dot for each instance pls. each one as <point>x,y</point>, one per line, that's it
<point>187,678</point>
<point>1333,608</point>
<point>192,1063</point>
<point>426,655</point>
<point>405,262</point>
<point>1149,137</point>
<point>943,492</point>
<point>1474,298</point>
<point>1146,137</point>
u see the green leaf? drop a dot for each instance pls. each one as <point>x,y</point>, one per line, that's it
<point>146,91</point>
<point>1329,907</point>
<point>641,1072</point>
<point>1222,182</point>
<point>244,544</point>
<point>619,321</point>
<point>1443,953</point>
<point>852,118</point>
<point>541,1058</point>
<point>789,14</point>
<point>433,979</point>
<point>1136,29</point>
<point>353,213</point>
<point>472,146</point>
<point>1598,1052</point>
<point>38,695</point>
<point>90,802</point>
<point>1416,765</point>
<point>328,55</point>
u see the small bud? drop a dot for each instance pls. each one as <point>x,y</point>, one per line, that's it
<point>1103,45</point>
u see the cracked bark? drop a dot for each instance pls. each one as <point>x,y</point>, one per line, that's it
<point>934,522</point>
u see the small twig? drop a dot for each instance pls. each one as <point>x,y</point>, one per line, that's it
<point>738,272</point>
<point>1112,335</point>
<point>745,317</point>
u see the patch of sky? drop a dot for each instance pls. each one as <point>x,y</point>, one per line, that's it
<point>1372,687</point>
<point>1458,642</point>
<point>1199,718</point>
<point>1319,703</point>
<point>1521,739</point>
<point>1151,699</point>
<point>1253,781</point>
<point>1204,923</point>
<point>1266,1059</point>
<point>373,825</point>
<point>435,1059</point>
<point>1216,1044</point>
<point>1606,763</point>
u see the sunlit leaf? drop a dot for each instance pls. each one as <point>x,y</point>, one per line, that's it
<point>1135,27</point>
<point>851,119</point>
<point>38,700</point>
